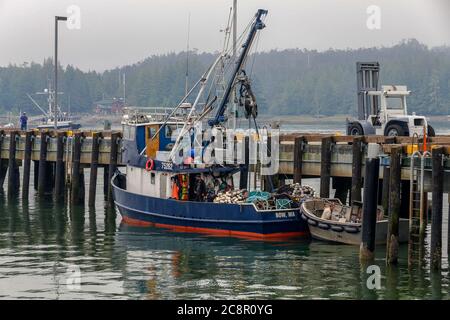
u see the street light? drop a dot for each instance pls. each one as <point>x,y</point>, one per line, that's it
<point>55,100</point>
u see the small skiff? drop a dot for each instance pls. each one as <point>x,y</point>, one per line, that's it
<point>329,220</point>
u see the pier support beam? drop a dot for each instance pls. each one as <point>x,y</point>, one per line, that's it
<point>115,136</point>
<point>94,168</point>
<point>42,171</point>
<point>298,159</point>
<point>436,216</point>
<point>77,196</point>
<point>105,181</point>
<point>13,168</point>
<point>60,176</point>
<point>357,161</point>
<point>29,136</point>
<point>325,168</point>
<point>394,206</point>
<point>369,219</point>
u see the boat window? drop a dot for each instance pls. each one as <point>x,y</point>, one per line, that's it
<point>152,178</point>
<point>151,132</point>
<point>169,130</point>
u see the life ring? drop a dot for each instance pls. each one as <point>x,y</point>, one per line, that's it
<point>149,165</point>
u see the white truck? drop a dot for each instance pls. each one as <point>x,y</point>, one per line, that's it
<point>384,112</point>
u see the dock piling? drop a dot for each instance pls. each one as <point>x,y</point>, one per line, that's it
<point>59,166</point>
<point>437,199</point>
<point>42,171</point>
<point>29,135</point>
<point>357,153</point>
<point>369,218</point>
<point>325,168</point>
<point>13,168</point>
<point>394,206</point>
<point>77,197</point>
<point>298,159</point>
<point>94,168</point>
<point>115,136</point>
<point>3,162</point>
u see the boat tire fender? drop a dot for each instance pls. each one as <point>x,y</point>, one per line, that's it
<point>337,228</point>
<point>312,222</point>
<point>324,226</point>
<point>351,229</point>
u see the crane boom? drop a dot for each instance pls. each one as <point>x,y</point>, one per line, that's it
<point>257,25</point>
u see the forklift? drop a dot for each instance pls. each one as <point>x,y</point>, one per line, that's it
<point>384,112</point>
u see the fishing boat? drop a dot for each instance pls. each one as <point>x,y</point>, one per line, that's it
<point>63,119</point>
<point>331,221</point>
<point>159,190</point>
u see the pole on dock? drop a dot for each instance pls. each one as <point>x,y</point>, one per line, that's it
<point>369,218</point>
<point>357,161</point>
<point>59,166</point>
<point>42,171</point>
<point>243,180</point>
<point>437,199</point>
<point>298,159</point>
<point>115,136</point>
<point>325,168</point>
<point>77,197</point>
<point>13,171</point>
<point>394,205</point>
<point>29,135</point>
<point>94,168</point>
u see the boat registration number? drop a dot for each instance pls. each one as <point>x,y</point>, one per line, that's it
<point>289,214</point>
<point>167,165</point>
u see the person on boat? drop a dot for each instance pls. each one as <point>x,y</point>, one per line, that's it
<point>200,189</point>
<point>326,214</point>
<point>184,187</point>
<point>23,121</point>
<point>175,188</point>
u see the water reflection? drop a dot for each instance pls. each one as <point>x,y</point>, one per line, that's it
<point>40,240</point>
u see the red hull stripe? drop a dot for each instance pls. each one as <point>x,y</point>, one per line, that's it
<point>217,232</point>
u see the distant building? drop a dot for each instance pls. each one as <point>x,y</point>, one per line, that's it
<point>109,106</point>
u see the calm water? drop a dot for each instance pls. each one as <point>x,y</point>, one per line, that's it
<point>43,246</point>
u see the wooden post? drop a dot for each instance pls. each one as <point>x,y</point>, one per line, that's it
<point>3,162</point>
<point>385,190</point>
<point>105,181</point>
<point>357,161</point>
<point>94,168</point>
<point>35,174</point>
<point>298,159</point>
<point>76,194</point>
<point>369,218</point>
<point>270,181</point>
<point>115,136</point>
<point>243,180</point>
<point>325,168</point>
<point>394,205</point>
<point>29,135</point>
<point>13,172</point>
<point>42,164</point>
<point>60,174</point>
<point>437,199</point>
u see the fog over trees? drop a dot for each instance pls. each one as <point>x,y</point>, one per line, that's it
<point>286,82</point>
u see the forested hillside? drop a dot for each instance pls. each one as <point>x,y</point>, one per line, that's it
<point>287,82</point>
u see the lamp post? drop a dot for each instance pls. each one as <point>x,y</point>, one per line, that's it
<point>55,99</point>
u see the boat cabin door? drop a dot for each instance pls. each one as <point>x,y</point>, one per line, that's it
<point>152,144</point>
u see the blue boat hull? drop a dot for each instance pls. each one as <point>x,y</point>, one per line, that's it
<point>206,217</point>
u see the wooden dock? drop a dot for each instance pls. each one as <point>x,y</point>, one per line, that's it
<point>60,157</point>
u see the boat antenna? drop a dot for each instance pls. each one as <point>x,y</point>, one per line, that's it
<point>187,55</point>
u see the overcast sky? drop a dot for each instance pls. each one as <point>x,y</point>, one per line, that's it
<point>118,32</point>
